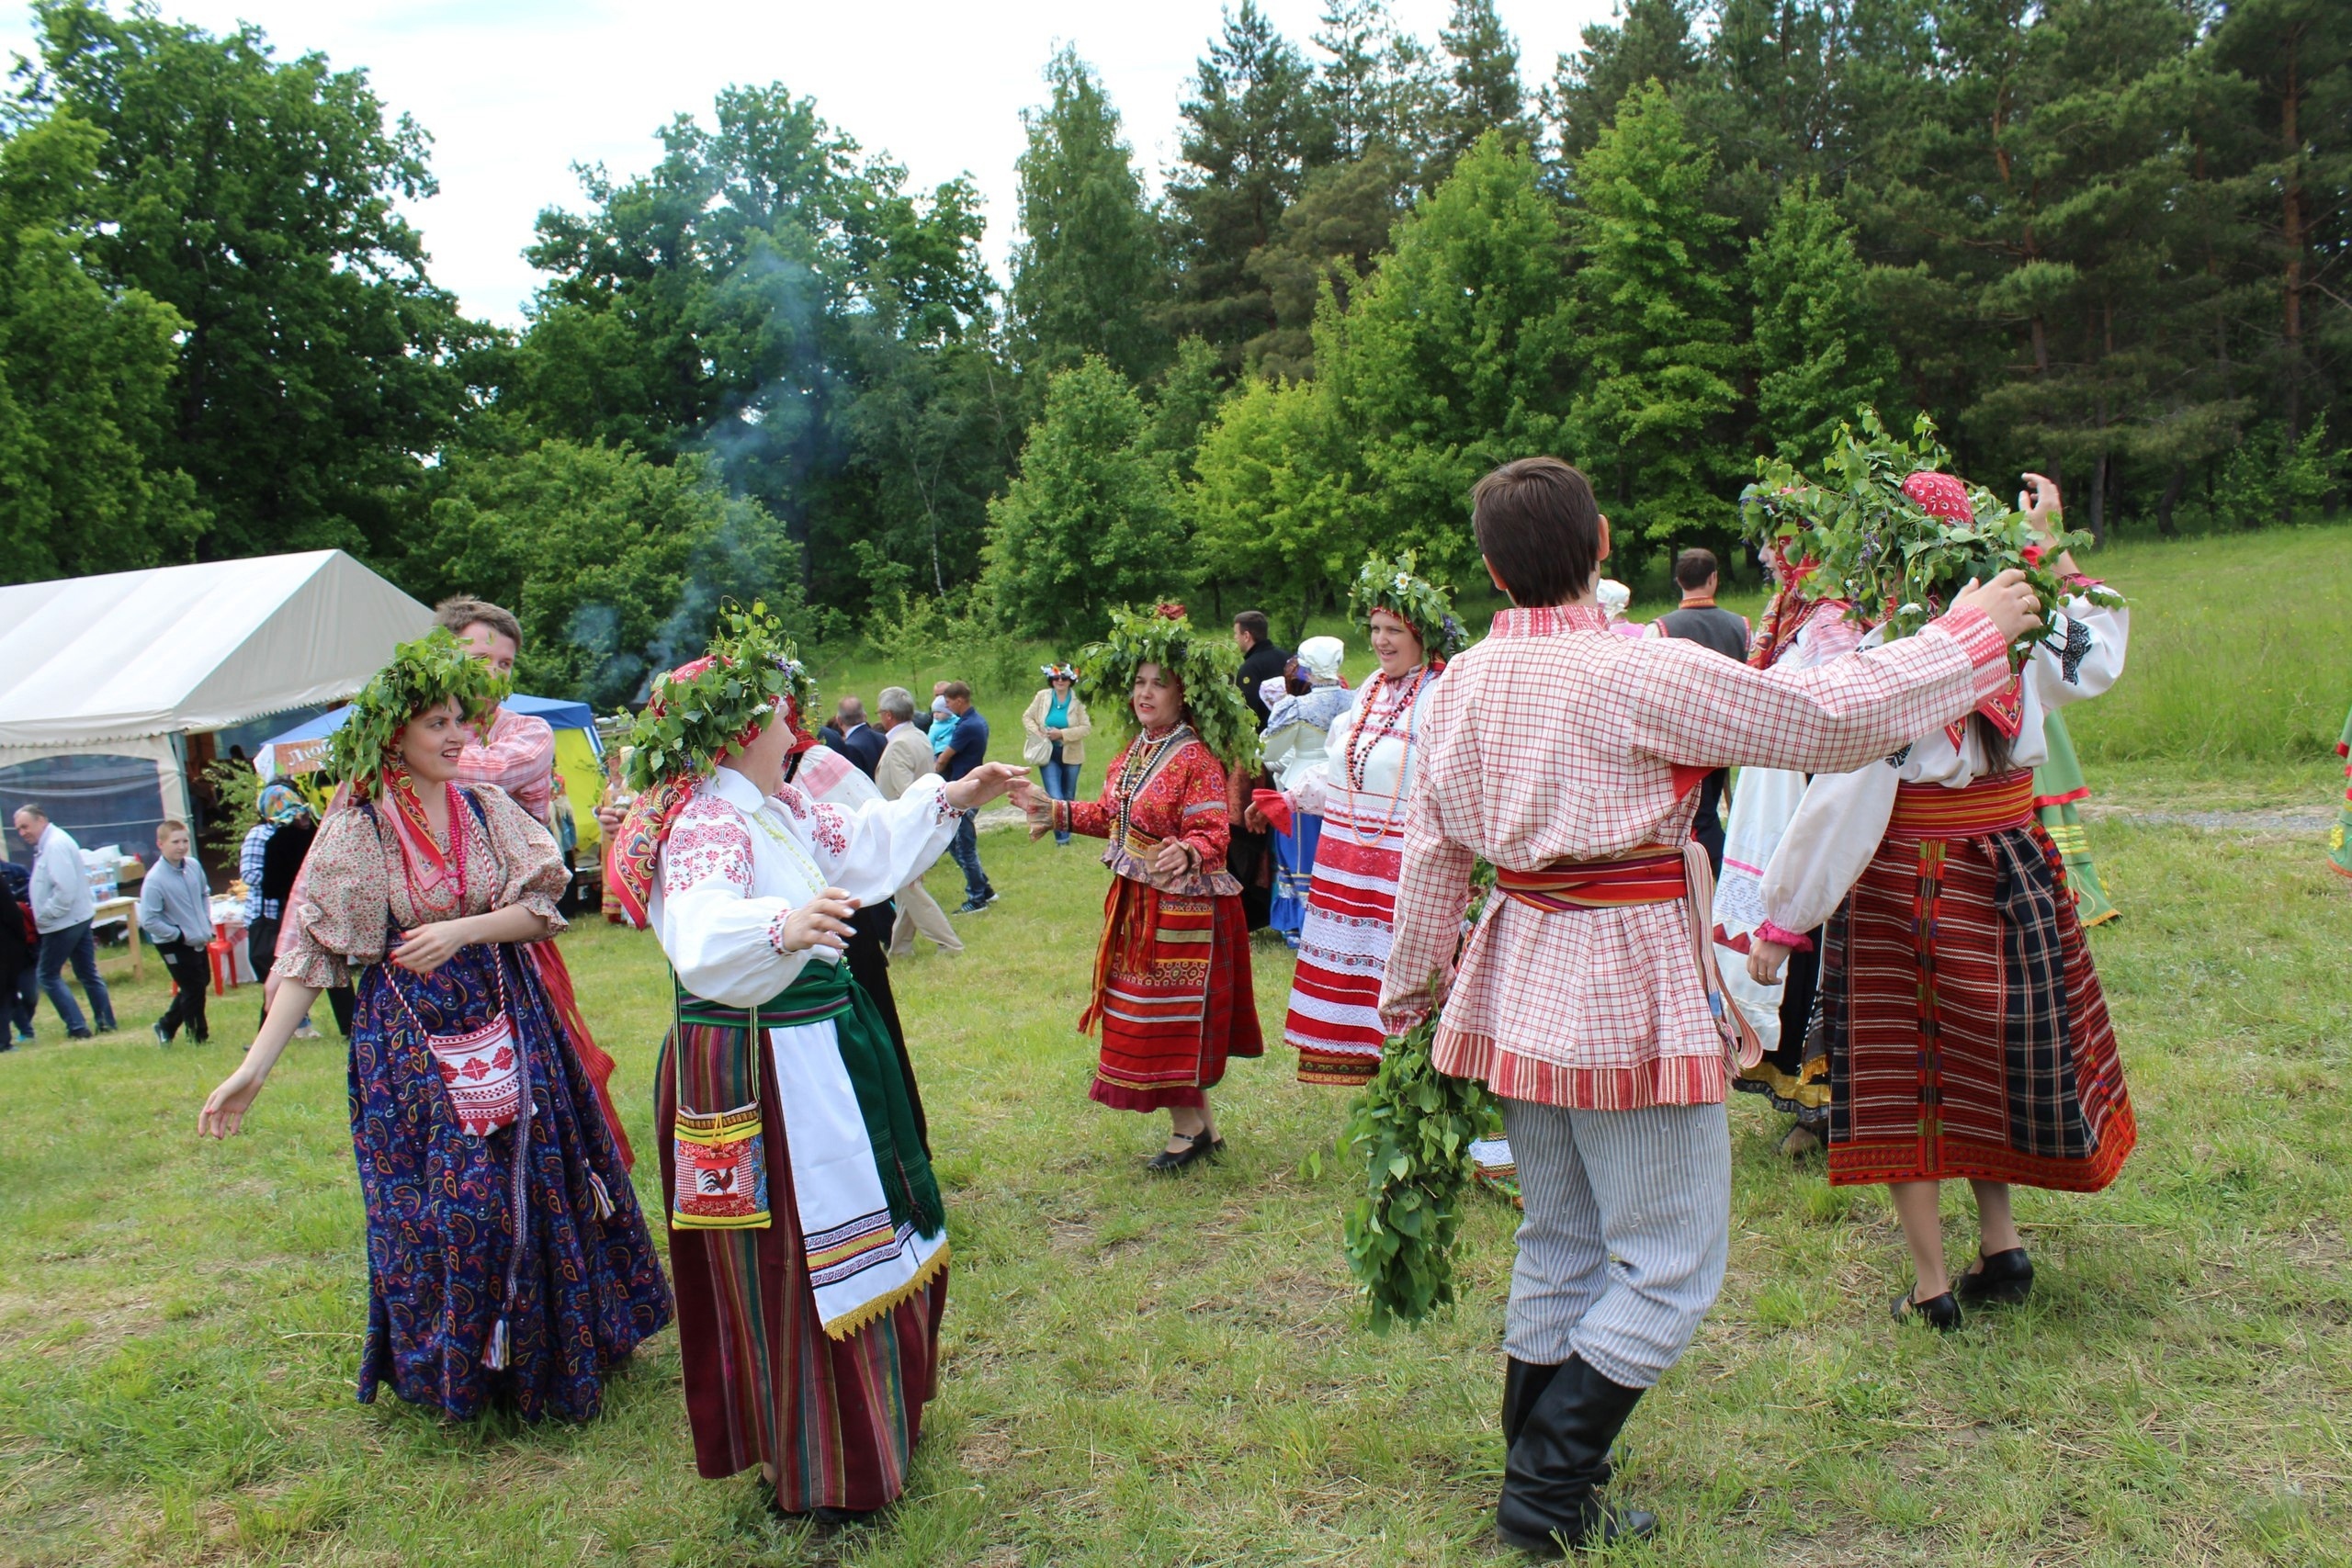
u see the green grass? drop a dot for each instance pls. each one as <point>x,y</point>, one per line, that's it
<point>1176,1372</point>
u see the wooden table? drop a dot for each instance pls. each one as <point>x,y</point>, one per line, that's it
<point>129,909</point>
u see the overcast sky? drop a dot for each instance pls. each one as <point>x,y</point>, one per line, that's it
<point>515,92</point>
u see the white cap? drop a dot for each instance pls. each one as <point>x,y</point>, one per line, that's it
<point>1320,656</point>
<point>1614,596</point>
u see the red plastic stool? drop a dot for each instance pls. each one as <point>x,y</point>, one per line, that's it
<point>221,953</point>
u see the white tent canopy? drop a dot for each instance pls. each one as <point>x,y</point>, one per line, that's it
<point>124,664</point>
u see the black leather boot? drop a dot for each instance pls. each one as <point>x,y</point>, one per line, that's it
<point>1559,1464</point>
<point>1524,1384</point>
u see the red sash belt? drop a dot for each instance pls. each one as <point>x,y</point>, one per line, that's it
<point>1988,805</point>
<point>1651,875</point>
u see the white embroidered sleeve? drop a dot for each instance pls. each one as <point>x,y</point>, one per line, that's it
<point>1835,831</point>
<point>874,851</point>
<point>2086,657</point>
<point>723,942</point>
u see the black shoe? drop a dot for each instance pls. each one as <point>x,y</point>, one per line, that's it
<point>1938,1312</point>
<point>2004,1278</point>
<point>1524,1384</point>
<point>1201,1146</point>
<point>973,906</point>
<point>1558,1466</point>
<point>79,1034</point>
<point>847,1518</point>
<point>162,1035</point>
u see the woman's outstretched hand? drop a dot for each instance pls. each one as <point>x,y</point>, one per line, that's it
<point>823,921</point>
<point>224,1111</point>
<point>983,784</point>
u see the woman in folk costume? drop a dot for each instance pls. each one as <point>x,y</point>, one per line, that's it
<point>1172,990</point>
<point>1294,744</point>
<point>1803,629</point>
<point>1966,1032</point>
<point>2059,791</point>
<point>806,1234</point>
<point>506,1257</point>
<point>2339,838</point>
<point>1372,758</point>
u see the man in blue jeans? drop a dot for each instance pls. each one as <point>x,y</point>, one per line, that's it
<point>965,752</point>
<point>61,910</point>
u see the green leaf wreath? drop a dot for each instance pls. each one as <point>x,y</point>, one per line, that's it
<point>1396,587</point>
<point>1209,666</point>
<point>1876,546</point>
<point>432,670</point>
<point>699,711</point>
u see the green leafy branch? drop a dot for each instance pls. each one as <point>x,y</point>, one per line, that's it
<point>1208,666</point>
<point>1889,556</point>
<point>697,712</point>
<point>1413,1128</point>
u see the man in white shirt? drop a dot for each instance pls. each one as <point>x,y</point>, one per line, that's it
<point>906,756</point>
<point>62,911</point>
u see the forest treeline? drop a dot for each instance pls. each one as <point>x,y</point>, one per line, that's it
<point>2102,238</point>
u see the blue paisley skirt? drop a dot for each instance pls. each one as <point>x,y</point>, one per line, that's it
<point>441,1229</point>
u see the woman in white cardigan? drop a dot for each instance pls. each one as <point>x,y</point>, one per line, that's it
<point>1057,727</point>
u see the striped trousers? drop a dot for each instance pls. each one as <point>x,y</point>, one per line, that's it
<point>1626,1230</point>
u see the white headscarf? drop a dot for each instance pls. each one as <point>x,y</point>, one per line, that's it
<point>1319,657</point>
<point>1614,597</point>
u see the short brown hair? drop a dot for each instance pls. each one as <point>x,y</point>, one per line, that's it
<point>956,689</point>
<point>1254,622</point>
<point>1539,529</point>
<point>169,824</point>
<point>456,614</point>
<point>1692,567</point>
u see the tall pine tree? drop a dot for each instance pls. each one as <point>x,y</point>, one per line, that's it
<point>1253,128</point>
<point>1457,354</point>
<point>1090,274</point>
<point>1820,348</point>
<point>1655,297</point>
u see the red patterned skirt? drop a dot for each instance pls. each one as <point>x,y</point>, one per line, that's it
<point>1172,997</point>
<point>1966,1031</point>
<point>1334,1018</point>
<point>838,1418</point>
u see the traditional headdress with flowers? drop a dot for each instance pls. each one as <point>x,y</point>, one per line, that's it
<point>1890,533</point>
<point>749,678</point>
<point>1393,586</point>
<point>1060,671</point>
<point>365,754</point>
<point>434,669</point>
<point>1208,665</point>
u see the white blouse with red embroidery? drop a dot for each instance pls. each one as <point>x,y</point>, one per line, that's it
<point>738,863</point>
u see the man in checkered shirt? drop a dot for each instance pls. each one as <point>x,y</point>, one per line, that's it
<point>1566,757</point>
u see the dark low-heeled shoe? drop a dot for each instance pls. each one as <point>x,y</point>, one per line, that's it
<point>1201,1146</point>
<point>1938,1312</point>
<point>2004,1278</point>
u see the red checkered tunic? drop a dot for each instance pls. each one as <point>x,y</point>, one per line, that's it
<point>1553,740</point>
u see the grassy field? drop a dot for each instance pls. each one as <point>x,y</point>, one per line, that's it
<point>1146,1373</point>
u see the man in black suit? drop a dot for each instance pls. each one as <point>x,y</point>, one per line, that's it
<point>853,737</point>
<point>1247,854</point>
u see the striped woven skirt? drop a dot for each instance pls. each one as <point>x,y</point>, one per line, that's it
<point>1334,1020</point>
<point>1172,997</point>
<point>1966,1031</point>
<point>838,1418</point>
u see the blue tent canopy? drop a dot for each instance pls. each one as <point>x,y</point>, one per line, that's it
<point>558,713</point>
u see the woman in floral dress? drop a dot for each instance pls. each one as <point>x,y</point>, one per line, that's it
<point>506,1257</point>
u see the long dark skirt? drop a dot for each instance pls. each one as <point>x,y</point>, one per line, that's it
<point>440,1226</point>
<point>838,1418</point>
<point>1966,1030</point>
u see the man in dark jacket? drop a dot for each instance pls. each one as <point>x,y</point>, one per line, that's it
<point>20,953</point>
<point>1701,620</point>
<point>860,741</point>
<point>1248,855</point>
